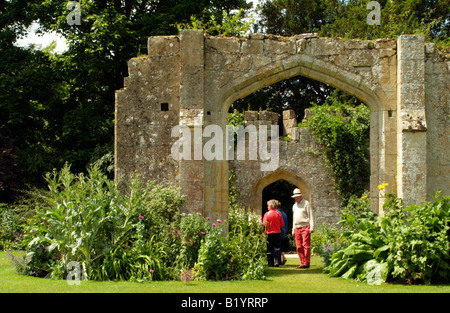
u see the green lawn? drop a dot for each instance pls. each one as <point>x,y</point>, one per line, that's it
<point>285,279</point>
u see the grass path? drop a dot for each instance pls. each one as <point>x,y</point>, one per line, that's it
<point>285,279</point>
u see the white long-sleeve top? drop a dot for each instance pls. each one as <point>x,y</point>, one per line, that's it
<point>302,215</point>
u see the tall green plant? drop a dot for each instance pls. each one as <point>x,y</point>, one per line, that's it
<point>108,232</point>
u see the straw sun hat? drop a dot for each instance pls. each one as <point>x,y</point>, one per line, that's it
<point>297,193</point>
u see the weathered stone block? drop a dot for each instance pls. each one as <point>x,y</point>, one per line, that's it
<point>287,114</point>
<point>251,115</point>
<point>292,122</point>
<point>413,120</point>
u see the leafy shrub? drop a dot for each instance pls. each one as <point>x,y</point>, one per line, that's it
<point>359,247</point>
<point>10,231</point>
<point>193,228</point>
<point>241,254</point>
<point>232,25</point>
<point>418,240</point>
<point>246,245</point>
<point>325,241</point>
<point>213,256</point>
<point>137,235</point>
<point>15,218</point>
<point>408,244</point>
<point>106,231</point>
<point>357,208</point>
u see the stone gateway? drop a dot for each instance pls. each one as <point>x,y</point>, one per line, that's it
<point>192,79</point>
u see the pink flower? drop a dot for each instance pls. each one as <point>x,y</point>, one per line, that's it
<point>219,220</point>
<point>214,224</point>
<point>203,233</point>
<point>141,217</point>
<point>152,271</point>
<point>208,218</point>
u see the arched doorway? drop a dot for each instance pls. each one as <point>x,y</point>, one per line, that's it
<point>283,179</point>
<point>350,82</point>
<point>280,190</point>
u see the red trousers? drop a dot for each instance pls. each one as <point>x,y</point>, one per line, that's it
<point>303,242</point>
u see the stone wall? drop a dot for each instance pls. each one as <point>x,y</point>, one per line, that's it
<point>437,104</point>
<point>301,163</point>
<point>146,110</point>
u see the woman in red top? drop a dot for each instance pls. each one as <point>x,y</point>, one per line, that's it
<point>273,221</point>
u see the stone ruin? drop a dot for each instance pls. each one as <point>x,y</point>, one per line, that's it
<point>192,79</point>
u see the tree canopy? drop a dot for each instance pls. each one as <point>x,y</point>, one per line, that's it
<point>60,107</point>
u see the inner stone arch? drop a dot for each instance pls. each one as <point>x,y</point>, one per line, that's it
<point>280,190</point>
<point>279,174</point>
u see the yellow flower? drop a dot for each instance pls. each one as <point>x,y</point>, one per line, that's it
<point>380,187</point>
<point>364,197</point>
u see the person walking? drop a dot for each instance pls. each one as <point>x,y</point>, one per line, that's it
<point>273,221</point>
<point>302,227</point>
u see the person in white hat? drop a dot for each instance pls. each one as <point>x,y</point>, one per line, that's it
<point>302,227</point>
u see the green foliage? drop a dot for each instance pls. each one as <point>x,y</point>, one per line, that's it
<point>348,19</point>
<point>193,228</point>
<point>357,208</point>
<point>228,24</point>
<point>16,218</point>
<point>108,232</point>
<point>60,107</point>
<point>212,257</point>
<point>419,240</point>
<point>236,118</point>
<point>11,227</point>
<point>325,241</point>
<point>246,244</point>
<point>241,254</point>
<point>408,244</point>
<point>290,17</point>
<point>343,131</point>
<point>137,234</point>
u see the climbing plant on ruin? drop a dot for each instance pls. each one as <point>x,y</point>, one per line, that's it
<point>343,130</point>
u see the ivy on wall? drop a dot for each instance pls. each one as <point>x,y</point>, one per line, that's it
<point>343,131</point>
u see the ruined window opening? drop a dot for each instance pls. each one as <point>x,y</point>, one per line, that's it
<point>164,107</point>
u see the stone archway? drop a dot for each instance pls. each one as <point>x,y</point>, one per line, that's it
<point>192,79</point>
<point>309,56</point>
<point>258,187</point>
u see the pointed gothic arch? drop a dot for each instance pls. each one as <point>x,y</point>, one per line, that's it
<point>258,186</point>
